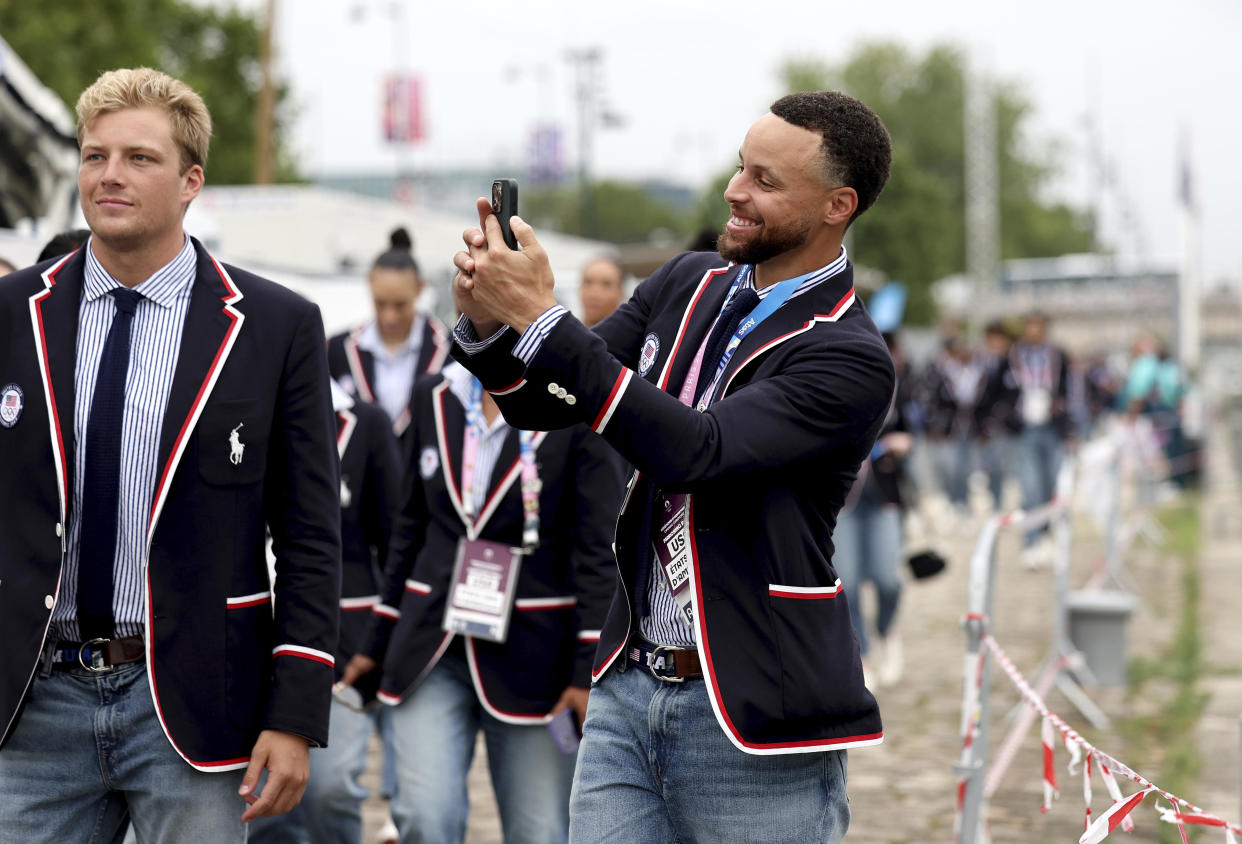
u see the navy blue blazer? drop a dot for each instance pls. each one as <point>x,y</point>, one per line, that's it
<point>370,497</point>
<point>228,653</point>
<point>564,586</point>
<point>767,467</point>
<point>354,367</point>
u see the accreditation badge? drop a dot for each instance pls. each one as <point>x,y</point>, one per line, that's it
<point>672,550</point>
<point>1036,406</point>
<point>480,599</point>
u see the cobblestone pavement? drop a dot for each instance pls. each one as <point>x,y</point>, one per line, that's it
<point>903,791</point>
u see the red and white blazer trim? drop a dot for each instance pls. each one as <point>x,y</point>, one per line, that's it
<point>512,388</point>
<point>364,602</point>
<point>778,591</point>
<point>304,653</point>
<point>418,587</point>
<point>244,601</point>
<point>388,699</point>
<point>588,635</point>
<point>386,611</point>
<point>614,399</point>
<point>559,603</point>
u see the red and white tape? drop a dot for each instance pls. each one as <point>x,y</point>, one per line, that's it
<point>1182,813</point>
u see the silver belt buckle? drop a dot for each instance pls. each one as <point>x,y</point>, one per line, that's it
<point>97,656</point>
<point>653,668</point>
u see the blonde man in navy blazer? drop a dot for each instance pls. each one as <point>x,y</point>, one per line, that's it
<point>162,412</point>
<point>746,387</point>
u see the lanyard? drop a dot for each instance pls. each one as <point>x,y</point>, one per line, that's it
<point>767,306</point>
<point>476,429</point>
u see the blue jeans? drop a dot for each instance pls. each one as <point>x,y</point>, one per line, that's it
<point>996,457</point>
<point>89,756</point>
<point>331,807</point>
<point>434,733</point>
<point>954,459</point>
<point>654,766</point>
<point>867,544</point>
<point>1039,453</point>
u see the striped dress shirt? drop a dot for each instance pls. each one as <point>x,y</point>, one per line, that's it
<point>493,441</point>
<point>155,341</point>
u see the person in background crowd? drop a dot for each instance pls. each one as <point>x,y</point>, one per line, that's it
<point>6,267</point>
<point>601,290</point>
<point>477,488</point>
<point>747,386</point>
<point>331,808</point>
<point>997,418</point>
<point>955,383</point>
<point>379,360</point>
<point>868,538</point>
<point>1042,375</point>
<point>64,243</point>
<point>161,413</point>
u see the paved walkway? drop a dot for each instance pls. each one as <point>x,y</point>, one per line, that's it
<point>903,791</point>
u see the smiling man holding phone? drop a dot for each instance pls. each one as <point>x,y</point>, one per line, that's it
<point>746,387</point>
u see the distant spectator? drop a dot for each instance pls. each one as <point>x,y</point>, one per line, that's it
<point>64,243</point>
<point>601,290</point>
<point>997,411</point>
<point>1042,373</point>
<point>6,267</point>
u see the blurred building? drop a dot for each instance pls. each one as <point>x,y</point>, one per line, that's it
<point>1095,302</point>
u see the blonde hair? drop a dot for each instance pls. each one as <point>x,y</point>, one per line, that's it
<point>143,87</point>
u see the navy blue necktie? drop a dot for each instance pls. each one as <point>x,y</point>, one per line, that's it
<point>101,480</point>
<point>742,303</point>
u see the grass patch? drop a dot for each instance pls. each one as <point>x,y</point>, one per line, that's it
<point>1159,737</point>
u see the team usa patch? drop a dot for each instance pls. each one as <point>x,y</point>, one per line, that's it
<point>647,356</point>
<point>12,400</point>
<point>428,462</point>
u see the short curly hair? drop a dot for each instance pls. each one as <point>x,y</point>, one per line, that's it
<point>143,87</point>
<point>857,150</point>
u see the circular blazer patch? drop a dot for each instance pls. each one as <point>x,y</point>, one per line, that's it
<point>428,462</point>
<point>650,351</point>
<point>12,400</point>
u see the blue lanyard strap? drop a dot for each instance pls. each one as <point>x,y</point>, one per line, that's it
<point>767,306</point>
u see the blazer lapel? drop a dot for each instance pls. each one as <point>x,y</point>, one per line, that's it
<point>823,304</point>
<point>450,419</point>
<point>697,320</point>
<point>433,348</point>
<point>55,312</point>
<point>212,324</point>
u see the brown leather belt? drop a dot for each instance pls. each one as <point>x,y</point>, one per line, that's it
<point>98,655</point>
<point>673,665</point>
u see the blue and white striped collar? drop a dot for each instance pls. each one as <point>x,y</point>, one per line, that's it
<point>824,273</point>
<point>163,287</point>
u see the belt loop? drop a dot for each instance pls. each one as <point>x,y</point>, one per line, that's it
<point>47,657</point>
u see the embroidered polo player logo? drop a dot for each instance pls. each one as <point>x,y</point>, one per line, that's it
<point>237,448</point>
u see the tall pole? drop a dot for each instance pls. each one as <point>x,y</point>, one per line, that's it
<point>982,182</point>
<point>265,104</point>
<point>586,63</point>
<point>1188,292</point>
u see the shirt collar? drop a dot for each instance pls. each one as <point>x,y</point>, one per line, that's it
<point>163,287</point>
<point>370,339</point>
<point>460,382</point>
<point>829,270</point>
<point>341,400</point>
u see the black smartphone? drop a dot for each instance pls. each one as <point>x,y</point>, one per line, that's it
<point>504,206</point>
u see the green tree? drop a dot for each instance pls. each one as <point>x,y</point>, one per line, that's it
<point>918,231</point>
<point>68,43</point>
<point>619,213</point>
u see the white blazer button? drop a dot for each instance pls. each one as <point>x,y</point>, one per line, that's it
<point>561,393</point>
<point>552,388</point>
<point>48,601</point>
<point>59,530</point>
<point>571,399</point>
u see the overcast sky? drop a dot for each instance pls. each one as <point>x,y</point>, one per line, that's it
<point>689,76</point>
